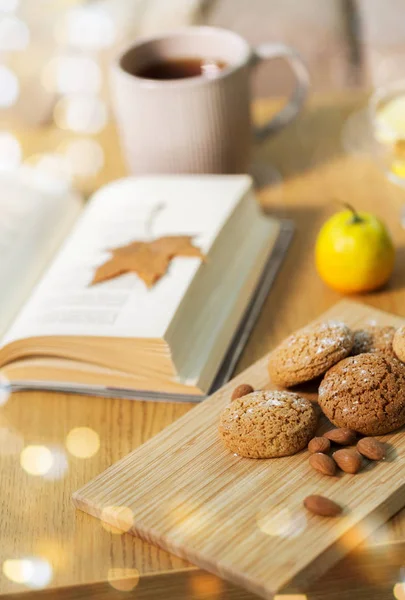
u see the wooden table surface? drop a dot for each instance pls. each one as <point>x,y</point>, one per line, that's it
<point>44,542</point>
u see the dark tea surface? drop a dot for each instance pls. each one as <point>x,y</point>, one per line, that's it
<point>182,68</point>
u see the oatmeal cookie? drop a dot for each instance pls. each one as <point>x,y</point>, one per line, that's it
<point>365,393</point>
<point>268,424</point>
<point>309,352</point>
<point>374,339</point>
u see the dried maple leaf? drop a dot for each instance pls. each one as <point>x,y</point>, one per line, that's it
<point>177,245</point>
<point>149,260</point>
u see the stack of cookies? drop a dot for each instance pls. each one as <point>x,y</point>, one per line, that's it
<point>362,389</point>
<point>363,385</point>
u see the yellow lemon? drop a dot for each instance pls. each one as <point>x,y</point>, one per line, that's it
<point>354,252</point>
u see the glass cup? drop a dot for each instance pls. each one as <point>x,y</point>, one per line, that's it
<point>387,116</point>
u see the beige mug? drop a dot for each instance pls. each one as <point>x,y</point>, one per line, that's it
<point>197,124</point>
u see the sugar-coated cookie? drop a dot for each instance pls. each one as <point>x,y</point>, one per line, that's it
<point>374,338</point>
<point>365,393</point>
<point>398,343</point>
<point>309,353</point>
<point>268,424</point>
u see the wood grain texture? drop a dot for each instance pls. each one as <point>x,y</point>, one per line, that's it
<point>186,493</point>
<point>315,173</point>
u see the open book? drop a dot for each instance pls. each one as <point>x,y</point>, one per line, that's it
<point>120,337</point>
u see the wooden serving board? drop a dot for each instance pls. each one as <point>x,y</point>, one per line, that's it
<point>243,519</point>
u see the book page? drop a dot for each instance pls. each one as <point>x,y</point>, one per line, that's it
<point>64,303</point>
<point>36,214</point>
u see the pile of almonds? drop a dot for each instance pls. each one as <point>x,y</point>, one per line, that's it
<point>349,460</point>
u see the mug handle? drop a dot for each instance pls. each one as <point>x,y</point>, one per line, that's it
<point>292,108</point>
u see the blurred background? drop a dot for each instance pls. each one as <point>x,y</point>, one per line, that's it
<point>54,57</point>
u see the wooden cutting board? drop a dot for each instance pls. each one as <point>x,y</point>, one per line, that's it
<point>243,519</point>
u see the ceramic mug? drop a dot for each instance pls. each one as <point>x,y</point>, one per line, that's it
<point>195,124</point>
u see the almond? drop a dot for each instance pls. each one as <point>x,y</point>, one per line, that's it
<point>371,448</point>
<point>319,444</point>
<point>343,437</point>
<point>323,463</point>
<point>348,459</point>
<point>319,505</point>
<point>242,390</point>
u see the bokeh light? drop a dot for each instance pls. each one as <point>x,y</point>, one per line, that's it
<point>361,533</point>
<point>81,113</point>
<point>85,157</point>
<point>19,571</point>
<point>72,74</point>
<point>10,158</point>
<point>60,464</point>
<point>87,27</point>
<point>281,522</point>
<point>123,579</point>
<point>9,87</point>
<point>123,515</point>
<point>36,460</point>
<point>205,585</point>
<point>399,591</point>
<point>51,164</point>
<point>14,34</point>
<point>83,442</point>
<point>33,572</point>
<point>9,5</point>
<point>41,574</point>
